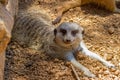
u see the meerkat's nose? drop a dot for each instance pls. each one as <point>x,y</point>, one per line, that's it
<point>68,40</point>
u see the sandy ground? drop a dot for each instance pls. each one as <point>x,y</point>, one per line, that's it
<point>102,35</point>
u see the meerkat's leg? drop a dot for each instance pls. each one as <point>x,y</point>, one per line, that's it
<point>64,7</point>
<point>94,55</point>
<point>72,59</point>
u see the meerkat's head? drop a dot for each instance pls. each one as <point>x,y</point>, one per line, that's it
<point>68,34</point>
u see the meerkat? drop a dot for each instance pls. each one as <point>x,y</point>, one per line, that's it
<point>107,4</point>
<point>34,30</point>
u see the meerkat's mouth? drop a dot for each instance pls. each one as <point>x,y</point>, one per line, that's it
<point>67,42</point>
<point>64,44</point>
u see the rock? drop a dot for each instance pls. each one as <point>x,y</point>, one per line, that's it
<point>111,30</point>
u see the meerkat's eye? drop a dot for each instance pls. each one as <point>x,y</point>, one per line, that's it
<point>63,31</point>
<point>74,32</point>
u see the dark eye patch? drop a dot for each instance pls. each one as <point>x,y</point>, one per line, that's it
<point>63,31</point>
<point>74,32</point>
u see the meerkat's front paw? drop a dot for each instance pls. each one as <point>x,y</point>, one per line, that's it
<point>89,74</point>
<point>109,65</point>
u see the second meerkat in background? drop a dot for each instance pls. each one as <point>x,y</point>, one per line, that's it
<point>65,6</point>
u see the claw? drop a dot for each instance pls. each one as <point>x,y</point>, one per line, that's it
<point>109,65</point>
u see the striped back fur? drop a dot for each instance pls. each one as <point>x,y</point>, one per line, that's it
<point>32,29</point>
<point>25,4</point>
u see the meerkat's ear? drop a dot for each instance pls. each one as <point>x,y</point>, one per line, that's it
<point>83,31</point>
<point>55,31</point>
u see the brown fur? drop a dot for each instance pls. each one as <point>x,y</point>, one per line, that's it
<point>107,4</point>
